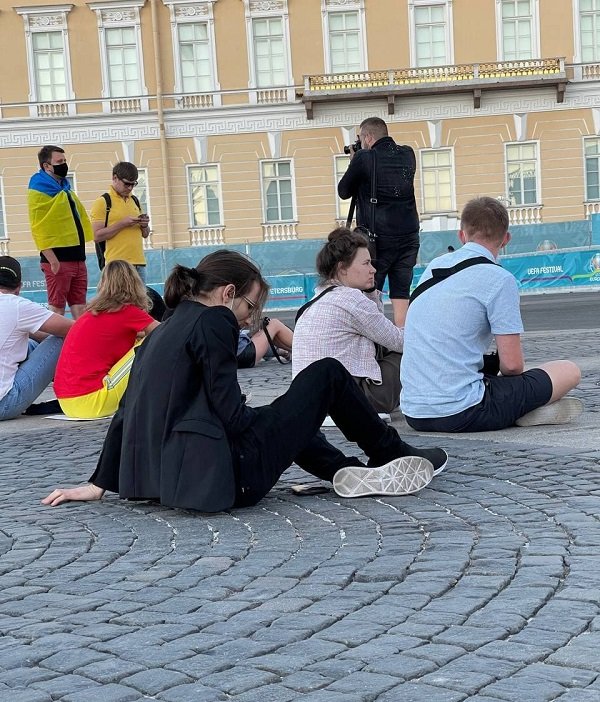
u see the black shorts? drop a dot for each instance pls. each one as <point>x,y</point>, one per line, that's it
<point>247,357</point>
<point>395,258</point>
<point>506,398</point>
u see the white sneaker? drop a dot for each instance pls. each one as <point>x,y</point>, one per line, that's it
<point>562,411</point>
<point>402,476</point>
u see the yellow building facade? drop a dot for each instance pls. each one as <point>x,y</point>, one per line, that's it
<point>236,112</point>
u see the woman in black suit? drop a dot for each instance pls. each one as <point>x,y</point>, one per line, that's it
<point>184,436</point>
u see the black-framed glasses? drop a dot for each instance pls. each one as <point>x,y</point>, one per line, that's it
<point>128,183</point>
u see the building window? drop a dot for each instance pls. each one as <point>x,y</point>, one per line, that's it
<point>521,171</point>
<point>344,46</point>
<point>278,198</point>
<point>269,58</point>
<point>204,185</point>
<point>518,22</point>
<point>48,59</point>
<point>592,169</point>
<point>49,66</point>
<point>589,31</point>
<point>195,58</point>
<point>121,54</point>
<point>430,32</point>
<point>122,62</point>
<point>194,51</point>
<point>341,166</point>
<point>3,234</point>
<point>430,36</point>
<point>141,190</point>
<point>269,52</point>
<point>437,181</point>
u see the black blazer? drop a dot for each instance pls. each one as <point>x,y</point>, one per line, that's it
<point>171,438</point>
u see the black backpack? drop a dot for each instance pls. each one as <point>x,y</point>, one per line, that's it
<point>101,245</point>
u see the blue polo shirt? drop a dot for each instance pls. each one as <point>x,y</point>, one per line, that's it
<point>448,329</point>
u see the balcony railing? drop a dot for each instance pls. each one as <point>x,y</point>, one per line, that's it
<point>591,208</point>
<point>404,82</point>
<point>206,236</point>
<point>525,214</point>
<point>280,231</point>
<point>4,247</point>
<point>387,84</point>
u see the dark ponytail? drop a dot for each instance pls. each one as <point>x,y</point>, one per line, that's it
<point>222,267</point>
<point>340,250</point>
<point>183,283</point>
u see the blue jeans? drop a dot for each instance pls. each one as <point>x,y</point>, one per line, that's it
<point>32,377</point>
<point>141,272</point>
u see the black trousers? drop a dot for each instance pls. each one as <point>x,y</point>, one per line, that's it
<point>288,431</point>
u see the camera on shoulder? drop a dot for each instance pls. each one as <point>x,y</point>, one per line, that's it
<point>353,148</point>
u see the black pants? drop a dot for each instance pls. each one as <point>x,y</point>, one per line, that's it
<point>288,431</point>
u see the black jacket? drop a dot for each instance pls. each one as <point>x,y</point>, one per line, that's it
<point>171,438</point>
<point>396,209</point>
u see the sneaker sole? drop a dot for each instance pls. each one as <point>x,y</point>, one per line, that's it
<point>562,411</point>
<point>402,476</point>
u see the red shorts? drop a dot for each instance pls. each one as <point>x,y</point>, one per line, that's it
<point>68,286</point>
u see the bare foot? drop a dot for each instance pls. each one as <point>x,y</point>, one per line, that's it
<point>85,493</point>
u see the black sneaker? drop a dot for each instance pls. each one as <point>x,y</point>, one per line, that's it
<point>436,456</point>
<point>49,407</point>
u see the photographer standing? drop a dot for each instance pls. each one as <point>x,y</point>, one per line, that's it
<point>393,216</point>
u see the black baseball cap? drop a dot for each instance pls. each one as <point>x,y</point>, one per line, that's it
<point>10,272</point>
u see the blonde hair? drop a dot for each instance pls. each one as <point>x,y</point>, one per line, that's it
<point>119,285</point>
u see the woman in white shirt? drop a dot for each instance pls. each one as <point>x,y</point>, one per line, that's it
<point>345,321</point>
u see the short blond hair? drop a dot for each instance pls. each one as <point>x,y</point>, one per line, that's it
<point>120,285</point>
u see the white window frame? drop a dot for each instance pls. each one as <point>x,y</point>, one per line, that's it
<point>43,19</point>
<point>578,57</point>
<point>194,12</point>
<point>3,237</point>
<point>412,35</point>
<point>120,14</point>
<point>263,190</point>
<point>535,31</point>
<point>585,157</point>
<point>329,7</point>
<point>538,173</point>
<point>423,169</point>
<point>188,170</point>
<point>271,9</point>
<point>144,171</point>
<point>341,206</point>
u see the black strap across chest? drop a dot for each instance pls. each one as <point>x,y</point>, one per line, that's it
<point>439,274</point>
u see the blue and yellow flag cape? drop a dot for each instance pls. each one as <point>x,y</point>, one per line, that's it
<point>50,215</point>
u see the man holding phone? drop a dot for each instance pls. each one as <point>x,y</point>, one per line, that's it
<point>117,219</point>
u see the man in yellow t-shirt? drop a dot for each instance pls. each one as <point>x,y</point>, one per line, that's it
<point>123,225</point>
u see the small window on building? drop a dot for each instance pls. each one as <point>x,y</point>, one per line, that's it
<point>589,30</point>
<point>277,184</point>
<point>49,66</point>
<point>3,234</point>
<point>437,175</point>
<point>124,77</point>
<point>341,166</point>
<point>141,190</point>
<point>592,169</point>
<point>521,170</point>
<point>204,187</point>
<point>345,42</point>
<point>430,35</point>
<point>269,52</point>
<point>518,30</point>
<point>195,57</point>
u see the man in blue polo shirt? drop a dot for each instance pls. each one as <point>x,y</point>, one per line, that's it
<point>450,326</point>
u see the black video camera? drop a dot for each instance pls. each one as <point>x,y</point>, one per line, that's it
<point>353,148</point>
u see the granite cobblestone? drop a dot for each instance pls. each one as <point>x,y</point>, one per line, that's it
<point>483,587</point>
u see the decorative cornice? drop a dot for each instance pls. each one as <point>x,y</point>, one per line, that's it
<point>42,9</point>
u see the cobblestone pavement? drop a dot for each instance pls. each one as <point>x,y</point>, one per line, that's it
<point>483,587</point>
